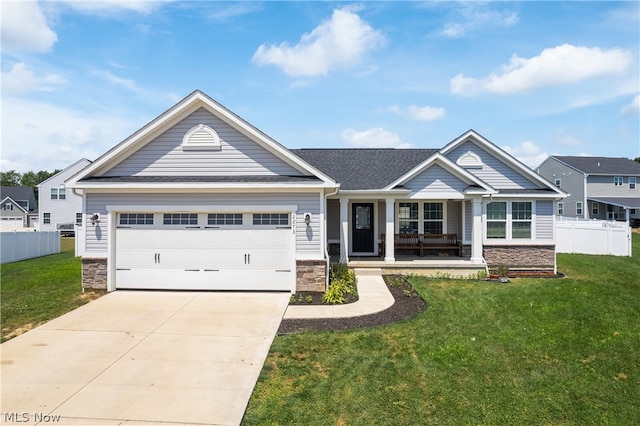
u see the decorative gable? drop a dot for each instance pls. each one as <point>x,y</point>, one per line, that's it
<point>201,137</point>
<point>469,160</point>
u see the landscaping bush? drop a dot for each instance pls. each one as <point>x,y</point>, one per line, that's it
<point>341,281</point>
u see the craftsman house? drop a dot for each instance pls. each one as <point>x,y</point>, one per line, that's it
<point>200,199</point>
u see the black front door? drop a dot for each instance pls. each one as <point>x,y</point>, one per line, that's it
<point>362,228</point>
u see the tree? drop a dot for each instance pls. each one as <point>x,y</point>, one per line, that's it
<point>637,159</point>
<point>10,178</point>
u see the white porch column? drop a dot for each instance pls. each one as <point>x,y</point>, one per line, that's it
<point>476,231</point>
<point>344,230</point>
<point>389,246</point>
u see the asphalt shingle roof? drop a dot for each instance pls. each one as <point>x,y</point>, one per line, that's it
<point>21,195</point>
<point>362,169</point>
<point>601,165</point>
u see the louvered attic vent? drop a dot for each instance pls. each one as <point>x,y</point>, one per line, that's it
<point>469,160</point>
<point>201,137</point>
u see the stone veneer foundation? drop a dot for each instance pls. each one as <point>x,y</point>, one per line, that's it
<point>311,275</point>
<point>94,273</point>
<point>521,257</point>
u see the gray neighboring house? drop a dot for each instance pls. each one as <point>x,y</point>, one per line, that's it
<point>58,208</point>
<point>199,199</point>
<point>600,187</point>
<point>18,208</point>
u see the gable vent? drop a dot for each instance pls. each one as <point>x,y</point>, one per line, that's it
<point>469,160</point>
<point>201,137</point>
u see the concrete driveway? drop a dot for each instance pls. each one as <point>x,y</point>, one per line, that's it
<point>139,357</point>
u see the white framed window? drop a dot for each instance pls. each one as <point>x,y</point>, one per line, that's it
<point>281,219</point>
<point>78,218</point>
<point>579,207</point>
<point>632,182</point>
<point>560,209</point>
<point>62,194</point>
<point>7,206</point>
<point>497,219</point>
<point>54,193</point>
<point>618,181</point>
<point>595,209</point>
<point>46,217</point>
<point>521,216</point>
<point>136,219</point>
<point>180,219</point>
<point>408,218</point>
<point>224,219</point>
<point>557,183</point>
<point>433,215</point>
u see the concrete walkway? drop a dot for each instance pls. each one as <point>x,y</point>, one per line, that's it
<point>373,296</point>
<point>140,358</point>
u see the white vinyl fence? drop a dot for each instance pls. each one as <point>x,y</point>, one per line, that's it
<point>593,237</point>
<point>25,245</point>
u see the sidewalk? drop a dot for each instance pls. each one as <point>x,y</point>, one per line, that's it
<point>373,297</point>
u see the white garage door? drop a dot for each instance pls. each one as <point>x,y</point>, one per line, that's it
<point>188,256</point>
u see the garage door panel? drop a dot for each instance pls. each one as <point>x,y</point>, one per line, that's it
<point>205,259</point>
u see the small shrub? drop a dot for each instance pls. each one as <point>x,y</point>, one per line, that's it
<point>343,281</point>
<point>309,299</point>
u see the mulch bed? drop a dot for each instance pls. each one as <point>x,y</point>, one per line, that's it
<point>407,305</point>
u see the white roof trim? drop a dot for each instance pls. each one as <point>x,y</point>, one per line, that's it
<point>504,156</point>
<point>440,159</point>
<point>179,111</point>
<point>15,203</point>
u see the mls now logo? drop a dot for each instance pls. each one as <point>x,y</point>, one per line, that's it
<point>25,417</point>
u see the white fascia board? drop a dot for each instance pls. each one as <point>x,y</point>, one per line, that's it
<point>200,187</point>
<point>65,170</point>
<point>15,203</point>
<point>526,196</point>
<point>503,155</point>
<point>449,165</point>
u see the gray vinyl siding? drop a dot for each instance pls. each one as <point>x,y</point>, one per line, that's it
<point>571,181</point>
<point>333,220</point>
<point>602,186</point>
<point>468,220</point>
<point>238,155</point>
<point>493,171</point>
<point>544,220</point>
<point>454,218</point>
<point>307,239</point>
<point>435,180</point>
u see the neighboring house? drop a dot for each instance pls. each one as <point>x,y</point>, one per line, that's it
<point>200,199</point>
<point>599,187</point>
<point>58,208</point>
<point>18,208</point>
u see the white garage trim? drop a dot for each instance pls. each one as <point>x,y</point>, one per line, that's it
<point>184,257</point>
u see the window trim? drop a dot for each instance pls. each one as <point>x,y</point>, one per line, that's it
<point>79,218</point>
<point>509,222</point>
<point>595,208</point>
<point>179,219</point>
<point>579,208</point>
<point>271,219</point>
<point>632,182</point>
<point>135,219</point>
<point>46,218</point>
<point>222,219</point>
<point>618,181</point>
<point>560,209</point>
<point>558,182</point>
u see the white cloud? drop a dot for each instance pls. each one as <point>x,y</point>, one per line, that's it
<point>21,79</point>
<point>339,42</point>
<point>633,107</point>
<point>373,138</point>
<point>475,15</point>
<point>554,66</point>
<point>425,113</point>
<point>118,81</point>
<point>107,7</point>
<point>41,136</point>
<point>24,28</point>
<point>528,153</point>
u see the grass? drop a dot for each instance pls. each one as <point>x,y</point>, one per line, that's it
<point>37,290</point>
<point>535,351</point>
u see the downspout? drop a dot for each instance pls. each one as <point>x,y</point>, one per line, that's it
<point>326,246</point>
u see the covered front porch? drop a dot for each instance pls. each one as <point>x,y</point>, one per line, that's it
<point>429,235</point>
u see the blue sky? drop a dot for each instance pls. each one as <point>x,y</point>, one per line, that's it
<point>536,78</point>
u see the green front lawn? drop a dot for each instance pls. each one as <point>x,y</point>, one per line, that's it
<point>37,290</point>
<point>535,351</point>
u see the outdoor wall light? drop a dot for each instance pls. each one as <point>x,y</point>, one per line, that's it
<point>95,219</point>
<point>307,218</point>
